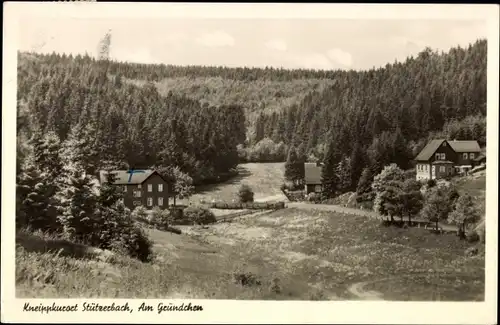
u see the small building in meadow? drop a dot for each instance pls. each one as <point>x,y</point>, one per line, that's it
<point>312,177</point>
<point>140,187</point>
<point>441,158</point>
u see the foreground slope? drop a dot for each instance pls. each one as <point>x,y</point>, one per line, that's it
<point>287,254</point>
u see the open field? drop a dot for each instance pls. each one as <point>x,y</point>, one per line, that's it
<point>265,180</point>
<point>286,254</point>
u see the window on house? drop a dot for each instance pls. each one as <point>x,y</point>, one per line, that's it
<point>471,156</point>
<point>317,188</point>
<point>438,156</point>
<point>150,201</point>
<point>160,187</point>
<point>150,187</point>
<point>444,144</point>
<point>139,186</point>
<point>137,193</point>
<point>125,188</point>
<point>442,169</point>
<point>465,155</point>
<point>443,156</point>
<point>160,201</point>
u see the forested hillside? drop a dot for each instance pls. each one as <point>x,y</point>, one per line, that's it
<point>120,125</point>
<point>196,116</point>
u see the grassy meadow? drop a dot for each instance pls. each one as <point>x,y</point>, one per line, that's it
<point>265,180</point>
<point>290,254</point>
<point>281,255</point>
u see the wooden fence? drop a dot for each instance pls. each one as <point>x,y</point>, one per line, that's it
<point>250,206</point>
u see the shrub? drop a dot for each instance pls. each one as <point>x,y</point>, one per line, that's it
<point>472,236</point>
<point>133,242</point>
<point>199,216</point>
<point>471,251</point>
<point>431,183</point>
<point>154,218</point>
<point>120,233</point>
<point>275,286</point>
<point>313,197</point>
<point>245,194</point>
<point>174,230</point>
<point>140,213</point>
<point>246,279</point>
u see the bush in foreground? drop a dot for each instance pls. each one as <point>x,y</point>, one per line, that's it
<point>245,194</point>
<point>313,197</point>
<point>199,216</point>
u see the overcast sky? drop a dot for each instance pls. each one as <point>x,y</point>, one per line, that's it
<point>289,43</point>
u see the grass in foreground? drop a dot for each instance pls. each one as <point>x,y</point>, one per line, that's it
<point>287,254</point>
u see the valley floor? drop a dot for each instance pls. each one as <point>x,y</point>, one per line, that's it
<point>282,255</point>
<point>300,253</point>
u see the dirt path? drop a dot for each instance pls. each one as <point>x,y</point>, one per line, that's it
<point>357,290</point>
<point>279,197</point>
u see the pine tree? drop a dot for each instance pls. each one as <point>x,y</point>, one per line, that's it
<point>47,155</point>
<point>38,203</point>
<point>364,188</point>
<point>344,175</point>
<point>329,177</point>
<point>291,172</point>
<point>109,193</point>
<point>357,164</point>
<point>79,202</point>
<point>78,148</point>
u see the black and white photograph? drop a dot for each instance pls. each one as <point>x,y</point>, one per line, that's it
<point>260,158</point>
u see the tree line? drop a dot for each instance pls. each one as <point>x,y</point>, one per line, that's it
<point>400,195</point>
<point>370,119</point>
<point>356,122</point>
<point>125,126</point>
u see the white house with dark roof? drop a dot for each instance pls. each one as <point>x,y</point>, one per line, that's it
<point>140,187</point>
<point>441,158</point>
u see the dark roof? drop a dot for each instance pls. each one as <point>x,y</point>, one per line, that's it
<point>465,146</point>
<point>429,149</point>
<point>312,173</point>
<point>122,177</point>
<point>457,146</point>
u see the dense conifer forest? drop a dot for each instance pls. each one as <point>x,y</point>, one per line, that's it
<point>208,119</point>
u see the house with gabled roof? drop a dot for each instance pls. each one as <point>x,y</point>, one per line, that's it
<point>441,158</point>
<point>312,177</point>
<point>140,187</point>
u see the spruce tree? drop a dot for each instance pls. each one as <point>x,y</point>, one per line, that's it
<point>38,203</point>
<point>79,202</point>
<point>329,177</point>
<point>291,170</point>
<point>344,175</point>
